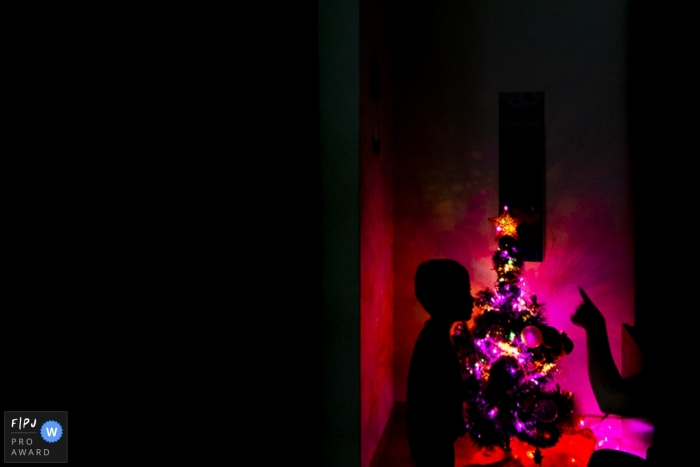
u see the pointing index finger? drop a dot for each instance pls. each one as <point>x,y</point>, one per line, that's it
<point>583,295</point>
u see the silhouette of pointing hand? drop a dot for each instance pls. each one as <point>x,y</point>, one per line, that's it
<point>587,315</point>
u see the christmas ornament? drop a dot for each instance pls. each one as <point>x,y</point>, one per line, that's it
<point>510,245</point>
<point>532,336</point>
<point>504,372</point>
<point>545,411</point>
<point>551,337</point>
<point>505,225</point>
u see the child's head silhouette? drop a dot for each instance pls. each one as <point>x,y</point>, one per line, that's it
<point>443,287</point>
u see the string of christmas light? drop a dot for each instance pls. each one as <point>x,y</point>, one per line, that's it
<point>509,359</point>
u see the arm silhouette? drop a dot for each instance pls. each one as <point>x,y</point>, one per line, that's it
<point>614,394</point>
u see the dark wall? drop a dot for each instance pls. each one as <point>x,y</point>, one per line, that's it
<point>339,47</point>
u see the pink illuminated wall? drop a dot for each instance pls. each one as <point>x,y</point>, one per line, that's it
<point>376,239</point>
<point>376,305</point>
<point>430,191</point>
<point>450,63</point>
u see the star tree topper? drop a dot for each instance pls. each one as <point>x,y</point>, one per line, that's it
<point>505,225</point>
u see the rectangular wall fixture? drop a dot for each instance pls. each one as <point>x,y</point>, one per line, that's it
<point>521,173</point>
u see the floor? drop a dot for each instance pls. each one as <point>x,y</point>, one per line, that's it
<point>612,433</point>
<point>396,453</point>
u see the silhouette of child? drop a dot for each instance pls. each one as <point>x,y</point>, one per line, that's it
<point>434,418</point>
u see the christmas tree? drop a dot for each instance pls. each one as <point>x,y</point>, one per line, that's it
<point>509,359</point>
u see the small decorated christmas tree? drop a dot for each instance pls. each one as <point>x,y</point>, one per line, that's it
<point>509,359</point>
